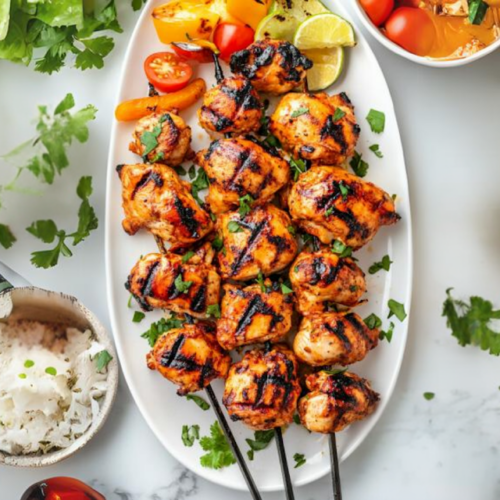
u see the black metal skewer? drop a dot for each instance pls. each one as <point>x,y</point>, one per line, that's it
<point>219,74</point>
<point>285,471</point>
<point>334,464</point>
<point>232,442</point>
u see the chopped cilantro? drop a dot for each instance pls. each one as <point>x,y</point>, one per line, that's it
<point>138,316</point>
<point>300,460</point>
<point>338,115</point>
<point>245,205</point>
<point>219,452</point>
<point>298,167</point>
<point>341,250</point>
<point>376,150</point>
<point>234,227</point>
<point>102,360</point>
<point>261,441</point>
<point>429,395</point>
<point>384,264</point>
<point>187,256</point>
<point>373,321</point>
<point>199,401</point>
<point>214,311</point>
<point>358,165</point>
<point>387,334</point>
<point>396,309</point>
<point>299,112</point>
<point>158,328</point>
<point>50,370</point>
<point>285,289</point>
<point>7,238</point>
<point>376,119</point>
<point>190,434</point>
<point>182,286</point>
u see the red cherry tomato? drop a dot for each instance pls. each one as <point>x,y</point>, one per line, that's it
<point>193,52</point>
<point>412,29</point>
<point>408,3</point>
<point>166,72</point>
<point>378,10</point>
<point>230,38</point>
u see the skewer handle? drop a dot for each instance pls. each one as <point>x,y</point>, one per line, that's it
<point>285,471</point>
<point>234,445</point>
<point>334,459</point>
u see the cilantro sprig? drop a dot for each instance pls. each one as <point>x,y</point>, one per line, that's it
<point>219,452</point>
<point>48,232</point>
<point>383,264</point>
<point>261,441</point>
<point>158,328</point>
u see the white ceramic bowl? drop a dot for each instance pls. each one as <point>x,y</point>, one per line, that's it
<point>426,61</point>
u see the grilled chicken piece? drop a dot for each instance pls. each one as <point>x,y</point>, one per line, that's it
<point>273,66</point>
<point>259,242</point>
<point>163,281</point>
<point>154,198</point>
<point>162,138</point>
<point>256,313</point>
<point>316,127</point>
<point>321,277</point>
<point>336,401</point>
<point>333,204</point>
<point>231,107</point>
<point>263,388</point>
<point>189,357</point>
<point>239,167</point>
<point>335,338</point>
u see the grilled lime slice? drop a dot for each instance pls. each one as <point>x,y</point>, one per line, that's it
<point>328,66</point>
<point>324,30</point>
<point>299,9</point>
<point>278,26</point>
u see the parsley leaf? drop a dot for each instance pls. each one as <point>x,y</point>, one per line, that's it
<point>7,239</point>
<point>429,395</point>
<point>219,452</point>
<point>338,115</point>
<point>470,322</point>
<point>48,232</point>
<point>199,401</point>
<point>158,328</point>
<point>341,250</point>
<point>396,309</point>
<point>358,165</point>
<point>299,112</point>
<point>387,334</point>
<point>138,316</point>
<point>190,434</point>
<point>182,286</point>
<point>245,205</point>
<point>214,311</point>
<point>376,119</point>
<point>375,148</point>
<point>384,264</point>
<point>300,460</point>
<point>373,321</point>
<point>234,227</point>
<point>102,360</point>
<point>261,441</point>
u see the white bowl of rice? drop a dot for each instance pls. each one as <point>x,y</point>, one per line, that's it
<point>58,378</point>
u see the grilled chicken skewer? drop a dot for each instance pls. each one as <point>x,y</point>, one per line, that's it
<point>332,204</point>
<point>262,391</point>
<point>272,66</point>
<point>241,168</point>
<point>156,199</point>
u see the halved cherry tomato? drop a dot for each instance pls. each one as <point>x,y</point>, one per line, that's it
<point>166,72</point>
<point>378,10</point>
<point>412,29</point>
<point>231,37</point>
<point>192,51</point>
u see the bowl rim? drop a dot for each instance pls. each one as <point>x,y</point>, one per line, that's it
<point>425,61</point>
<point>103,336</point>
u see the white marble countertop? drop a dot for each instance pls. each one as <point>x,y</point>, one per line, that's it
<point>447,448</point>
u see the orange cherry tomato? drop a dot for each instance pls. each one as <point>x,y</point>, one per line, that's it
<point>166,72</point>
<point>412,29</point>
<point>231,37</point>
<point>378,10</point>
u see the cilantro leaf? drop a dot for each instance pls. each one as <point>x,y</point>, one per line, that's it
<point>373,321</point>
<point>219,452</point>
<point>375,148</point>
<point>199,401</point>
<point>102,360</point>
<point>261,441</point>
<point>234,227</point>
<point>158,328</point>
<point>261,281</point>
<point>96,49</point>
<point>7,238</point>
<point>341,250</point>
<point>358,165</point>
<point>217,243</point>
<point>138,316</point>
<point>199,184</point>
<point>87,219</point>
<point>300,460</point>
<point>190,434</point>
<point>396,309</point>
<point>214,311</point>
<point>345,189</point>
<point>299,112</point>
<point>376,119</point>
<point>245,205</point>
<point>387,334</point>
<point>137,4</point>
<point>470,322</point>
<point>429,395</point>
<point>334,372</point>
<point>339,113</point>
<point>285,289</point>
<point>384,264</point>
<point>298,167</point>
<point>187,256</point>
<point>182,286</point>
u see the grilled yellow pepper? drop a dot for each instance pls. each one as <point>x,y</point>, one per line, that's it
<point>250,12</point>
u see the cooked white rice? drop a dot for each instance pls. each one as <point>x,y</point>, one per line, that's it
<point>42,411</point>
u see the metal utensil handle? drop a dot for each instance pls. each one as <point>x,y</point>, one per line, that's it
<point>334,463</point>
<point>9,278</point>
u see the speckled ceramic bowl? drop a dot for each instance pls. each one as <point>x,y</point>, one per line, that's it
<point>29,302</point>
<point>426,61</point>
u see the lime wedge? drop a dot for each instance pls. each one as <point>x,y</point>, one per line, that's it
<point>299,9</point>
<point>4,18</point>
<point>328,66</point>
<point>322,31</point>
<point>278,26</point>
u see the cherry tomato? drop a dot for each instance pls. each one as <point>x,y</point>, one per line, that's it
<point>408,3</point>
<point>230,38</point>
<point>412,29</point>
<point>166,72</point>
<point>195,51</point>
<point>378,10</point>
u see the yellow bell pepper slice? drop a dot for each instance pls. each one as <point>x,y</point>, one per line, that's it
<point>249,12</point>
